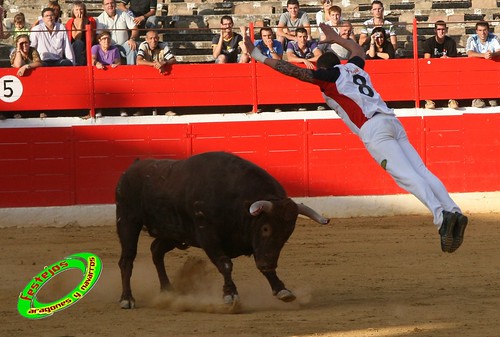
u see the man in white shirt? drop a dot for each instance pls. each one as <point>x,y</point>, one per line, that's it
<point>51,41</point>
<point>119,23</point>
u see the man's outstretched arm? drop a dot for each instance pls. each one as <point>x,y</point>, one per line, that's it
<point>286,68</point>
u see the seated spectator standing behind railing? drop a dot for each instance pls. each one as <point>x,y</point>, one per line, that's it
<point>303,50</point>
<point>51,41</point>
<point>154,53</point>
<point>104,53</point>
<point>377,21</point>
<point>24,56</point>
<point>485,45</point>
<point>118,23</point>
<point>268,46</point>
<point>143,12</point>
<point>345,32</point>
<point>228,46</point>
<point>380,48</point>
<point>440,46</point>
<point>76,31</point>
<point>289,21</point>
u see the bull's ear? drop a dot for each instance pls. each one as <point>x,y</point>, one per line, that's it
<point>260,206</point>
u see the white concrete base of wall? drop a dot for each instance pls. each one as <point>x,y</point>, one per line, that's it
<point>332,207</point>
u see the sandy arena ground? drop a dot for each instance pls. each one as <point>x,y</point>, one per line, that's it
<point>355,277</point>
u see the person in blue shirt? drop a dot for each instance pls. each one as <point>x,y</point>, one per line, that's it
<point>269,46</point>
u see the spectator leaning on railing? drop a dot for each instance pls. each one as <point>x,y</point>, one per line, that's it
<point>24,56</point>
<point>154,53</point>
<point>51,41</point>
<point>303,50</point>
<point>485,45</point>
<point>267,45</point>
<point>380,48</point>
<point>118,23</point>
<point>440,46</point>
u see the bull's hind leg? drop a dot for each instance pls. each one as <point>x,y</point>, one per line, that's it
<point>128,232</point>
<point>158,250</point>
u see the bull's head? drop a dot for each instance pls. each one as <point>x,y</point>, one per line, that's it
<point>274,227</point>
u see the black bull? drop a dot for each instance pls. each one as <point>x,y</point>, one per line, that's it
<point>216,201</point>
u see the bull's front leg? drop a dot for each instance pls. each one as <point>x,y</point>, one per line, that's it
<point>278,286</point>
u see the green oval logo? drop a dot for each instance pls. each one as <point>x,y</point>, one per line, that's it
<point>29,306</point>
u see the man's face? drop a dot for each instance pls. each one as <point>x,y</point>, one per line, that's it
<point>440,31</point>
<point>293,10</point>
<point>48,19</point>
<point>345,31</point>
<point>377,11</point>
<point>152,39</point>
<point>266,35</point>
<point>482,32</point>
<point>301,39</point>
<point>335,17</point>
<point>109,7</point>
<point>227,26</point>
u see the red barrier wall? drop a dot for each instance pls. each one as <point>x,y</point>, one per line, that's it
<point>80,164</point>
<point>235,84</point>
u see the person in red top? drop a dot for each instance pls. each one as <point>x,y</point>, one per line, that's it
<point>76,27</point>
<point>348,90</point>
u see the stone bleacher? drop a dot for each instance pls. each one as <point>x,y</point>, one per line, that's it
<point>188,26</point>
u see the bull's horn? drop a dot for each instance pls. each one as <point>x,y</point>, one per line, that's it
<point>310,213</point>
<point>259,206</point>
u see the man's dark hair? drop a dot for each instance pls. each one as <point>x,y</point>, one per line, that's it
<point>47,9</point>
<point>266,29</point>
<point>327,60</point>
<point>292,2</point>
<point>377,2</point>
<point>483,24</point>
<point>439,23</point>
<point>301,30</point>
<point>226,17</point>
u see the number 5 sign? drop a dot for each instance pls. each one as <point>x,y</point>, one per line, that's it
<point>11,88</point>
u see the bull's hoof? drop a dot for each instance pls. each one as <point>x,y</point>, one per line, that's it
<point>127,304</point>
<point>285,295</point>
<point>232,304</point>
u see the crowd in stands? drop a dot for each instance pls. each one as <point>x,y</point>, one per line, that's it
<point>116,33</point>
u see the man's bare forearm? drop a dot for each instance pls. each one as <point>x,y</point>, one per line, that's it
<point>288,69</point>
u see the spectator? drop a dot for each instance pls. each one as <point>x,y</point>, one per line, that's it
<point>335,15</point>
<point>380,48</point>
<point>377,21</point>
<point>440,46</point>
<point>104,53</point>
<point>118,23</point>
<point>228,47</point>
<point>485,45</point>
<point>52,42</point>
<point>154,53</point>
<point>289,21</point>
<point>323,15</point>
<point>76,31</point>
<point>19,26</point>
<point>268,46</point>
<point>303,50</point>
<point>24,56</point>
<point>3,35</point>
<point>54,4</point>
<point>345,32</point>
<point>143,12</point>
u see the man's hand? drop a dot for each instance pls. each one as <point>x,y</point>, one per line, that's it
<point>331,35</point>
